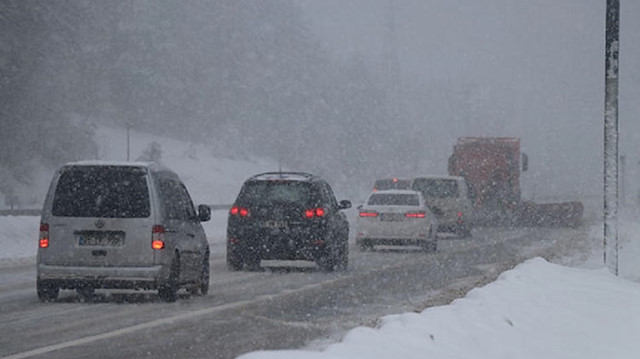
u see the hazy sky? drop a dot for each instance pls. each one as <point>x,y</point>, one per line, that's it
<point>530,69</point>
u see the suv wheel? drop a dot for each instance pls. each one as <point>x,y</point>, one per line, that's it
<point>234,262</point>
<point>47,292</point>
<point>343,258</point>
<point>169,290</point>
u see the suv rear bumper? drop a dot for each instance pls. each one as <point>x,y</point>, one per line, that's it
<point>299,244</point>
<point>70,277</point>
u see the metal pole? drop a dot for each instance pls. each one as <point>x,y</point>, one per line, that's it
<point>612,47</point>
<point>128,139</point>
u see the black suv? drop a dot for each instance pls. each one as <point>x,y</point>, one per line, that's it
<point>287,216</point>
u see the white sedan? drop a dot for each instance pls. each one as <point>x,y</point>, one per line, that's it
<point>396,217</point>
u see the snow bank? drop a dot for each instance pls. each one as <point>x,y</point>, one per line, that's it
<point>537,310</point>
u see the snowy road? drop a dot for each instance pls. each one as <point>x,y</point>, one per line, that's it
<point>278,308</point>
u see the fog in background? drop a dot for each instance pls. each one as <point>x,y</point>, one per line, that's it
<point>351,90</point>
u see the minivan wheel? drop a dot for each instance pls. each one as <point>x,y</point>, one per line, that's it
<point>169,290</point>
<point>204,276</point>
<point>47,292</point>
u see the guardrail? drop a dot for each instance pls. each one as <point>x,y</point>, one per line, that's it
<point>20,212</point>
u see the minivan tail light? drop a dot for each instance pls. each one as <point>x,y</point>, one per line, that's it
<point>44,235</point>
<point>157,236</point>
<point>415,214</point>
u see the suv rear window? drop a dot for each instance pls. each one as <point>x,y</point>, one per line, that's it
<point>267,192</point>
<point>102,191</point>
<point>388,199</point>
<point>436,188</point>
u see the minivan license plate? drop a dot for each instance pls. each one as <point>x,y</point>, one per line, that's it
<point>109,239</point>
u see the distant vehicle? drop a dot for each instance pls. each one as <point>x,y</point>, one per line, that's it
<point>448,197</point>
<point>287,216</point>
<point>121,225</point>
<point>492,167</point>
<point>396,217</point>
<point>391,183</point>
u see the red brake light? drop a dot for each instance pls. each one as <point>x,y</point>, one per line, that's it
<point>459,214</point>
<point>44,235</point>
<point>415,214</point>
<point>314,212</point>
<point>368,214</point>
<point>157,236</point>
<point>243,212</point>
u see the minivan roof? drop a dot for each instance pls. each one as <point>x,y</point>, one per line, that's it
<point>152,166</point>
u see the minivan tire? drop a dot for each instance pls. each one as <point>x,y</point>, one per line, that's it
<point>169,290</point>
<point>47,292</point>
<point>204,276</point>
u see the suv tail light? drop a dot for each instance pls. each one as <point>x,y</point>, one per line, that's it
<point>157,237</point>
<point>241,211</point>
<point>415,214</point>
<point>368,214</point>
<point>314,212</point>
<point>44,235</point>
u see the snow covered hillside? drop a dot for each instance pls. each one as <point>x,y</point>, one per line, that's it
<point>209,178</point>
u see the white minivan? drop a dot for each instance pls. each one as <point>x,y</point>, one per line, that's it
<point>449,199</point>
<point>121,225</point>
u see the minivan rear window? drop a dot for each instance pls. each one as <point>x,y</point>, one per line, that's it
<point>436,188</point>
<point>102,191</point>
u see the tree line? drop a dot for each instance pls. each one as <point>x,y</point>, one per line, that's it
<point>247,77</point>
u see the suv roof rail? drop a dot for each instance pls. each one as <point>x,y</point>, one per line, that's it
<point>282,175</point>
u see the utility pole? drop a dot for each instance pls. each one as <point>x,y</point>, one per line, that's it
<point>391,61</point>
<point>612,47</point>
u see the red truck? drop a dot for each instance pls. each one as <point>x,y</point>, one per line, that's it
<point>492,166</point>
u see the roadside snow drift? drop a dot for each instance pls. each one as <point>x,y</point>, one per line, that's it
<point>537,310</point>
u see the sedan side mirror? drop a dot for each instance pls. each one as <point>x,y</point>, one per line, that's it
<point>344,204</point>
<point>204,213</point>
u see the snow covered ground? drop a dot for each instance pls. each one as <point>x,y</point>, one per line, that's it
<point>536,310</point>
